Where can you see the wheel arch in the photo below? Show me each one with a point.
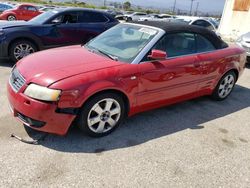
(233, 70)
(30, 39)
(236, 72)
(111, 90)
(11, 14)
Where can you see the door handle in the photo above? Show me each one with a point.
(133, 78)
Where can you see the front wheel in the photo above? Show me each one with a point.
(11, 18)
(101, 114)
(225, 86)
(20, 49)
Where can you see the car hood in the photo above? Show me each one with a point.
(246, 37)
(49, 66)
(8, 24)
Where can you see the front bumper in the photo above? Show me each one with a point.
(38, 115)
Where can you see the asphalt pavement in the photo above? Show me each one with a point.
(198, 143)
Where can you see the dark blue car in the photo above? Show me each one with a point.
(55, 28)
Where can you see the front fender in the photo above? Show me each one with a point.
(75, 98)
(13, 36)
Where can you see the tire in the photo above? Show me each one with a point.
(129, 19)
(225, 86)
(20, 47)
(95, 120)
(11, 18)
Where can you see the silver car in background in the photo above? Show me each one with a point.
(244, 42)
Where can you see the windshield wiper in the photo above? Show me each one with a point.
(101, 52)
(107, 55)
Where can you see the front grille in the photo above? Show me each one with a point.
(16, 80)
(30, 121)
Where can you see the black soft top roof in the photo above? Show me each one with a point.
(169, 27)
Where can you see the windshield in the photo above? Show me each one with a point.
(42, 18)
(123, 42)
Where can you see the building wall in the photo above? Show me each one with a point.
(235, 19)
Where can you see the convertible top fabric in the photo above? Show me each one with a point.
(169, 27)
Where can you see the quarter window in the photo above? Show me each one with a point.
(203, 44)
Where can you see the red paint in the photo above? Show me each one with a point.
(80, 74)
(21, 12)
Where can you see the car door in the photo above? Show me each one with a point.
(173, 78)
(21, 12)
(91, 25)
(210, 60)
(62, 30)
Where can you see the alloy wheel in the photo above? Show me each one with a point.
(226, 86)
(22, 50)
(11, 18)
(104, 115)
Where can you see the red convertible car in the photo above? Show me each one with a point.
(20, 12)
(128, 69)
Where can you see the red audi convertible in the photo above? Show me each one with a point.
(128, 69)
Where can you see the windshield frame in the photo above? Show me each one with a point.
(140, 55)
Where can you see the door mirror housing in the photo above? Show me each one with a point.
(158, 55)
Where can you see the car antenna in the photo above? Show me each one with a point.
(34, 141)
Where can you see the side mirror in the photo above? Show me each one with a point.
(158, 55)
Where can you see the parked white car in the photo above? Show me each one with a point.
(156, 17)
(135, 16)
(203, 22)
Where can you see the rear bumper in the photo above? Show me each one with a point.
(38, 115)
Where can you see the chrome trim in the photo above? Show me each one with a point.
(16, 80)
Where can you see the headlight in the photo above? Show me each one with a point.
(42, 93)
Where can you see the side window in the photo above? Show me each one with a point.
(30, 8)
(66, 18)
(177, 44)
(203, 44)
(23, 7)
(91, 17)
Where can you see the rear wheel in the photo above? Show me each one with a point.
(101, 114)
(11, 18)
(225, 86)
(20, 49)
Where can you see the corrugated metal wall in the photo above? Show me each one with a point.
(241, 5)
